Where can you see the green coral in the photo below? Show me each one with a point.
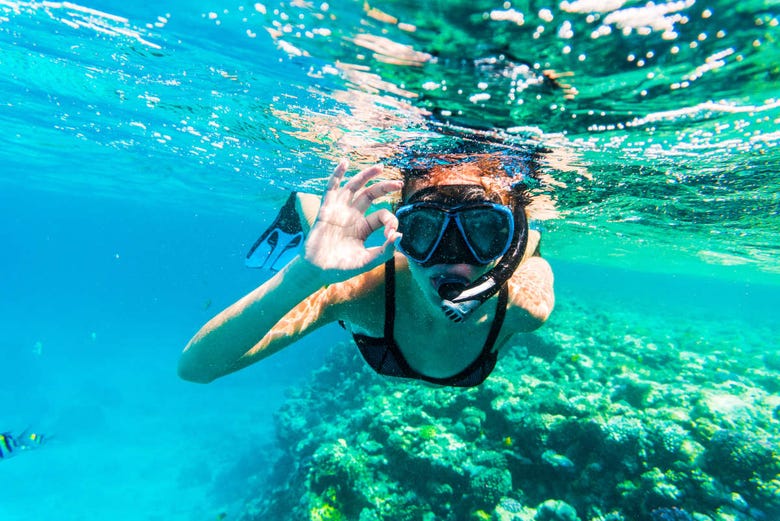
(427, 432)
(374, 449)
(738, 455)
(325, 512)
(481, 515)
(489, 485)
(556, 510)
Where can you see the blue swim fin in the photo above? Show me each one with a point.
(280, 243)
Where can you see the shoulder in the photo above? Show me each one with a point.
(531, 294)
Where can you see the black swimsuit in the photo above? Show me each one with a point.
(384, 356)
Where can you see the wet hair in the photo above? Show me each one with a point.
(452, 194)
(498, 170)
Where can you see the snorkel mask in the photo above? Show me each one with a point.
(442, 229)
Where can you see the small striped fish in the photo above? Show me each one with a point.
(11, 445)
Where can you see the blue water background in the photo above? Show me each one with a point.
(110, 291)
(114, 255)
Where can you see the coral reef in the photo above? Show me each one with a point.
(589, 420)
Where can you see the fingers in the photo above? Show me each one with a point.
(360, 179)
(334, 182)
(355, 187)
(379, 255)
(383, 218)
(366, 197)
(338, 174)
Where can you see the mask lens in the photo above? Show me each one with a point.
(487, 230)
(421, 229)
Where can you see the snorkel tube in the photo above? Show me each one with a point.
(459, 302)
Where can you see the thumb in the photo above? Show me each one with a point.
(380, 254)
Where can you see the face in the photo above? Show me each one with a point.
(446, 236)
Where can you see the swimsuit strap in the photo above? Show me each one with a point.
(390, 300)
(498, 320)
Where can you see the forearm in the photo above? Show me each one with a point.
(216, 349)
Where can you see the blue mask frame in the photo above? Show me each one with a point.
(442, 216)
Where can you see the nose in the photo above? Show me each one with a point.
(453, 249)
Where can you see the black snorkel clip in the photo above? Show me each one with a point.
(459, 302)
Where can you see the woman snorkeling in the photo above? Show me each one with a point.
(458, 274)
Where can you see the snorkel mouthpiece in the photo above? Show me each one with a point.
(462, 301)
(449, 287)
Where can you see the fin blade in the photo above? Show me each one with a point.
(274, 254)
(280, 242)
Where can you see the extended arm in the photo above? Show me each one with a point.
(293, 301)
(219, 345)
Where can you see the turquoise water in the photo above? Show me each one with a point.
(145, 146)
